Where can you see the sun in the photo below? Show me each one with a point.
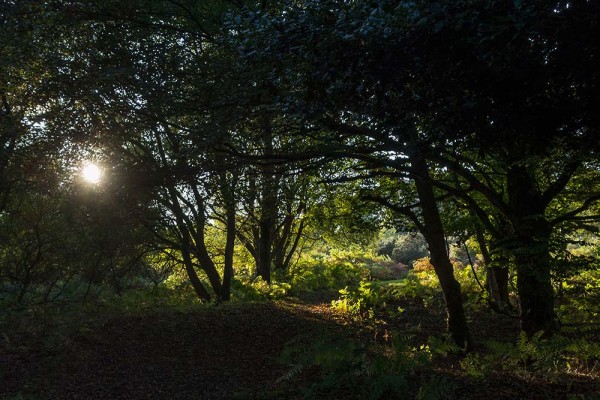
(91, 173)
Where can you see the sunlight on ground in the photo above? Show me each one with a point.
(91, 173)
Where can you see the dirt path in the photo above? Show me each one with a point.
(219, 353)
(230, 351)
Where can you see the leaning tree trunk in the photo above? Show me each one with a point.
(187, 248)
(531, 253)
(433, 232)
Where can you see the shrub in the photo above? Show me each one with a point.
(409, 247)
(390, 272)
(360, 302)
(420, 286)
(338, 269)
(422, 264)
(258, 290)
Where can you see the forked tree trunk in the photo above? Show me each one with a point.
(186, 248)
(433, 232)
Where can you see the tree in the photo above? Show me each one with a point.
(508, 85)
(113, 87)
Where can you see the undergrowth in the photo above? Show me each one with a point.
(351, 369)
(533, 358)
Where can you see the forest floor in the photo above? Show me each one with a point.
(230, 351)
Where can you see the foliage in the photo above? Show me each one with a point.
(334, 270)
(417, 286)
(422, 264)
(360, 302)
(535, 357)
(372, 297)
(354, 370)
(579, 299)
(409, 247)
(259, 290)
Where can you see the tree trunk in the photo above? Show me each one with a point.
(531, 253)
(263, 267)
(434, 235)
(497, 285)
(536, 295)
(268, 211)
(186, 247)
(292, 249)
(191, 272)
(501, 274)
(229, 251)
(496, 274)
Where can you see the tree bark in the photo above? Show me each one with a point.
(496, 274)
(268, 203)
(229, 241)
(531, 253)
(186, 247)
(434, 235)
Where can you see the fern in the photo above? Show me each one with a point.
(291, 373)
(437, 387)
(348, 366)
(530, 357)
(500, 349)
(442, 346)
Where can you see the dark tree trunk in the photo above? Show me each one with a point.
(191, 272)
(268, 212)
(536, 295)
(186, 248)
(496, 275)
(531, 253)
(196, 247)
(263, 267)
(289, 239)
(229, 250)
(433, 232)
(207, 265)
(292, 249)
(497, 284)
(200, 251)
